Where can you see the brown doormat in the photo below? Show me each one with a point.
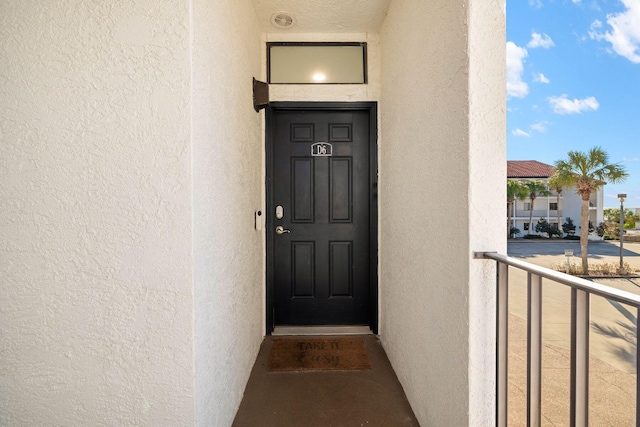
(318, 354)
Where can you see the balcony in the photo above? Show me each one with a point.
(566, 347)
(537, 213)
(566, 355)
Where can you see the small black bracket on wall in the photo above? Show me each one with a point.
(260, 95)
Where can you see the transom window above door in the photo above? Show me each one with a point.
(316, 63)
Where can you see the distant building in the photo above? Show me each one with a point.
(550, 207)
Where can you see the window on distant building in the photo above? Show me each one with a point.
(527, 206)
(553, 206)
(526, 226)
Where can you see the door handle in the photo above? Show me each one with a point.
(281, 230)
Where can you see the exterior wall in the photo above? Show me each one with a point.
(228, 184)
(442, 127)
(128, 208)
(487, 142)
(95, 269)
(598, 213)
(570, 207)
(541, 209)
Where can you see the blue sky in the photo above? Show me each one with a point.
(573, 83)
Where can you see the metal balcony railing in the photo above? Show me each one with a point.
(537, 213)
(581, 291)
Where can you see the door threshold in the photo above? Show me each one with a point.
(321, 330)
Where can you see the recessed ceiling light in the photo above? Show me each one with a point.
(283, 20)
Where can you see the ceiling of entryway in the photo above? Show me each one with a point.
(323, 16)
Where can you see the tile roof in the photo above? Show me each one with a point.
(528, 169)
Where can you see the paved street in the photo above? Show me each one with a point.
(612, 338)
(598, 250)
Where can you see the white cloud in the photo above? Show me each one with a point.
(539, 126)
(540, 40)
(540, 78)
(520, 132)
(624, 35)
(632, 159)
(515, 58)
(563, 105)
(535, 3)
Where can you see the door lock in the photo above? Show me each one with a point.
(281, 230)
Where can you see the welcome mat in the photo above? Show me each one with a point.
(318, 354)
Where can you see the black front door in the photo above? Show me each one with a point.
(321, 199)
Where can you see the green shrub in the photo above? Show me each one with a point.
(544, 227)
(571, 237)
(569, 227)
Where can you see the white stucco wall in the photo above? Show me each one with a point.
(442, 133)
(487, 172)
(571, 205)
(228, 184)
(598, 215)
(95, 234)
(131, 275)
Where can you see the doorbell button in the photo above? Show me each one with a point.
(258, 220)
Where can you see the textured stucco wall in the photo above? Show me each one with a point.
(441, 140)
(95, 246)
(228, 184)
(599, 212)
(487, 191)
(571, 206)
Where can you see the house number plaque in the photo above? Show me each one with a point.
(321, 149)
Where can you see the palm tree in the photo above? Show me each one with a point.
(556, 185)
(588, 172)
(535, 189)
(515, 190)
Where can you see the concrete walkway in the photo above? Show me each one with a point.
(612, 339)
(372, 398)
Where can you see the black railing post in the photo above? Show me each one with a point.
(534, 350)
(502, 344)
(579, 358)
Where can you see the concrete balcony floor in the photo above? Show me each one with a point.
(325, 398)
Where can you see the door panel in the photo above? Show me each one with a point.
(340, 188)
(322, 262)
(302, 181)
